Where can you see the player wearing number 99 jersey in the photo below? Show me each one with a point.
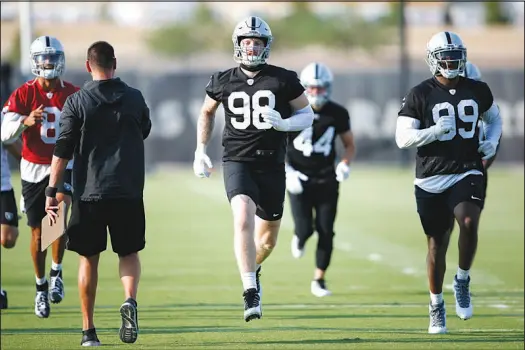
(261, 104)
(440, 117)
(33, 111)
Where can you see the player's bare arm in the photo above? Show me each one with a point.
(64, 148)
(348, 143)
(206, 122)
(202, 164)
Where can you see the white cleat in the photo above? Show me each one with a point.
(318, 288)
(438, 319)
(42, 307)
(56, 289)
(296, 251)
(462, 296)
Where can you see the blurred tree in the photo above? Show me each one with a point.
(392, 18)
(201, 32)
(494, 13)
(13, 57)
(204, 32)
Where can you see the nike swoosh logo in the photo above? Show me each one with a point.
(275, 215)
(476, 198)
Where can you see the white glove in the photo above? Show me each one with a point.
(272, 117)
(202, 164)
(342, 171)
(444, 125)
(293, 181)
(487, 148)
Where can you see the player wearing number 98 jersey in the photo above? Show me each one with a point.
(261, 104)
(439, 117)
(33, 111)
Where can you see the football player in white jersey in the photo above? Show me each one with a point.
(9, 212)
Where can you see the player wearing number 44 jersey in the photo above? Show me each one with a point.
(312, 179)
(439, 117)
(33, 111)
(261, 103)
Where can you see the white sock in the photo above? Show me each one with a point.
(248, 280)
(55, 266)
(40, 281)
(462, 274)
(436, 299)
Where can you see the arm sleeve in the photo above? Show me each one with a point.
(214, 87)
(12, 114)
(293, 86)
(492, 124)
(408, 134)
(301, 119)
(70, 125)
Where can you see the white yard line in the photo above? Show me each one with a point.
(360, 244)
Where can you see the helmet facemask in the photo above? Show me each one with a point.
(447, 62)
(318, 93)
(255, 53)
(48, 65)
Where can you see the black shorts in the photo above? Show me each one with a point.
(8, 208)
(35, 197)
(319, 196)
(436, 210)
(264, 183)
(88, 226)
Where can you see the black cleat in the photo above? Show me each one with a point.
(3, 299)
(252, 306)
(89, 338)
(259, 288)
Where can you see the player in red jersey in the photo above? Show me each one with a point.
(34, 112)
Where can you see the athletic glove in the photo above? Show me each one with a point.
(272, 117)
(487, 148)
(293, 180)
(444, 125)
(342, 171)
(202, 164)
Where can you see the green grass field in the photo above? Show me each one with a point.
(190, 292)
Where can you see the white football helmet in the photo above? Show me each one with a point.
(47, 50)
(446, 55)
(251, 27)
(317, 75)
(472, 71)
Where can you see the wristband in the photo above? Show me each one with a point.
(51, 191)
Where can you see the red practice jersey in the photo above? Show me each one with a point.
(38, 141)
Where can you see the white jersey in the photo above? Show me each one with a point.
(6, 173)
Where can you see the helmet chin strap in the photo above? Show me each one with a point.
(253, 68)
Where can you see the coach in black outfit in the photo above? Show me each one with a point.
(103, 127)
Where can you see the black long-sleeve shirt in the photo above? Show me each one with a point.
(103, 126)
